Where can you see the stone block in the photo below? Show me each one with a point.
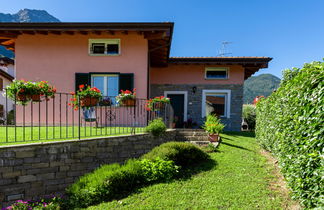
(46, 176)
(26, 178)
(32, 160)
(15, 197)
(11, 174)
(25, 154)
(40, 165)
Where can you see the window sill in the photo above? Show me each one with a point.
(216, 78)
(113, 55)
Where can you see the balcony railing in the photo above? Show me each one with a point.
(55, 119)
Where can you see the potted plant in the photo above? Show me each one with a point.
(213, 127)
(86, 97)
(127, 97)
(157, 103)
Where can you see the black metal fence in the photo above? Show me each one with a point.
(44, 119)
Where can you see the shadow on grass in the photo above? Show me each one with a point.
(239, 147)
(240, 134)
(187, 173)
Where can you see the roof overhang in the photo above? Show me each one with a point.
(6, 75)
(159, 35)
(250, 64)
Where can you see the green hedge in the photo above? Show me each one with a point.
(290, 124)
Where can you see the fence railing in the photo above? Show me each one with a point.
(55, 118)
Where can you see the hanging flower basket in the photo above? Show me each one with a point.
(89, 97)
(35, 97)
(127, 98)
(21, 97)
(129, 102)
(157, 103)
(88, 101)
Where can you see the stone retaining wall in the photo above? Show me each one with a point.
(38, 169)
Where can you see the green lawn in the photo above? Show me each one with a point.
(12, 135)
(239, 179)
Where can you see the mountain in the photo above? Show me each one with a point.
(263, 84)
(28, 15)
(24, 16)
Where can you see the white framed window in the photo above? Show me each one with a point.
(108, 47)
(216, 73)
(216, 102)
(108, 84)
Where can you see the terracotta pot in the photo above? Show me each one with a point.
(88, 101)
(21, 97)
(35, 97)
(213, 137)
(129, 102)
(173, 125)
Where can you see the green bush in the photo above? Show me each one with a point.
(181, 153)
(156, 127)
(249, 115)
(158, 170)
(115, 181)
(290, 124)
(106, 183)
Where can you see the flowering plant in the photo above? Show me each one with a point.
(84, 92)
(154, 104)
(213, 125)
(124, 95)
(22, 91)
(52, 203)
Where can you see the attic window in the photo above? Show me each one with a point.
(104, 46)
(216, 73)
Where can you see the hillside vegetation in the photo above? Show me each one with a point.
(263, 84)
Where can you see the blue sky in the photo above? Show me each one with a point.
(290, 31)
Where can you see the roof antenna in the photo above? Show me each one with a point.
(223, 50)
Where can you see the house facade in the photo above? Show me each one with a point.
(120, 56)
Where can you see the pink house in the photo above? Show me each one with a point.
(114, 56)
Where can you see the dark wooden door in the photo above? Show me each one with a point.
(177, 103)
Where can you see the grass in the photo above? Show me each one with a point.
(239, 178)
(21, 135)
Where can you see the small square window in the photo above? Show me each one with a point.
(108, 47)
(98, 48)
(112, 49)
(216, 73)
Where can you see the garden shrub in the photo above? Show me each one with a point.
(181, 153)
(290, 125)
(115, 181)
(249, 115)
(106, 183)
(158, 170)
(156, 127)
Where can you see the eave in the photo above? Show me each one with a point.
(250, 64)
(158, 34)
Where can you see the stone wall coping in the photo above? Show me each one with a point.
(74, 140)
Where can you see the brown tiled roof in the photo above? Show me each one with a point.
(250, 64)
(159, 35)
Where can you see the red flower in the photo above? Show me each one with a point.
(72, 93)
(81, 87)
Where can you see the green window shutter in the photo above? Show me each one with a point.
(126, 82)
(81, 79)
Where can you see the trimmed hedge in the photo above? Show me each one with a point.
(290, 124)
(181, 153)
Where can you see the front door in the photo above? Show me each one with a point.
(177, 103)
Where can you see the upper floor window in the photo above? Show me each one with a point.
(104, 46)
(216, 73)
